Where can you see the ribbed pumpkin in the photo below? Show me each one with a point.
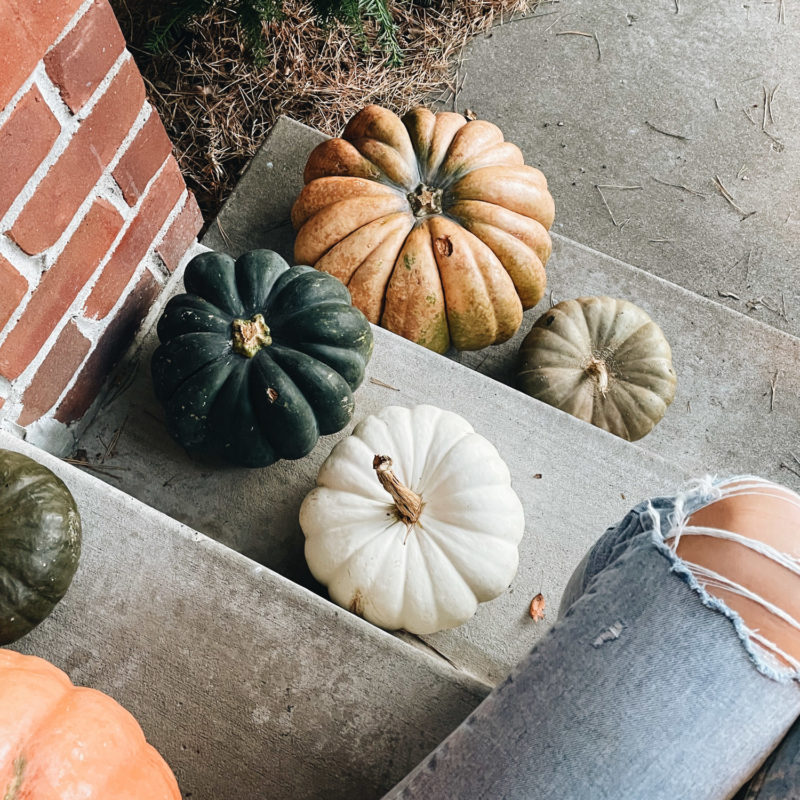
(40, 544)
(62, 742)
(413, 521)
(434, 223)
(602, 360)
(258, 359)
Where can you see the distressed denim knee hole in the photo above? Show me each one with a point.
(710, 559)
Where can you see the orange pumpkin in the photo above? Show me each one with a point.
(434, 223)
(59, 741)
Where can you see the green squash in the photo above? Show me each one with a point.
(602, 360)
(258, 359)
(40, 543)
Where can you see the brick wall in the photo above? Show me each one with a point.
(94, 213)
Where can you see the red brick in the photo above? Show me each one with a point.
(142, 159)
(113, 343)
(27, 29)
(59, 287)
(56, 371)
(82, 58)
(14, 287)
(73, 176)
(181, 234)
(155, 208)
(25, 140)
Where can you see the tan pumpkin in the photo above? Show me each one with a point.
(602, 360)
(433, 222)
(62, 742)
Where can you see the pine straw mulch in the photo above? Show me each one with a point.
(217, 105)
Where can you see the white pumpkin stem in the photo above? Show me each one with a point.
(409, 504)
(599, 371)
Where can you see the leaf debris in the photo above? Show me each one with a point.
(588, 35)
(730, 295)
(378, 382)
(600, 187)
(537, 607)
(773, 385)
(667, 133)
(729, 197)
(680, 186)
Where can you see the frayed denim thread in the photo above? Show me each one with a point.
(685, 504)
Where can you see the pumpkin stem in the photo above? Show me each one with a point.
(408, 504)
(598, 370)
(250, 335)
(425, 200)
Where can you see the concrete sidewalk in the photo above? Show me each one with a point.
(669, 92)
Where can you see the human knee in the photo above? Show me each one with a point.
(743, 547)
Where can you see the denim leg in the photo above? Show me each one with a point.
(642, 691)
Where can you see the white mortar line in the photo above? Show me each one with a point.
(93, 328)
(105, 188)
(82, 9)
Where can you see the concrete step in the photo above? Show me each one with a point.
(588, 480)
(724, 417)
(239, 677)
(580, 109)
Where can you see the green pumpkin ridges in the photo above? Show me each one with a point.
(180, 358)
(328, 323)
(190, 405)
(305, 291)
(256, 275)
(40, 543)
(211, 275)
(326, 392)
(236, 426)
(350, 364)
(281, 409)
(189, 314)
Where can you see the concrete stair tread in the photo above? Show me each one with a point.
(722, 419)
(238, 676)
(256, 511)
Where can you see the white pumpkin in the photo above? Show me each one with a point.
(413, 521)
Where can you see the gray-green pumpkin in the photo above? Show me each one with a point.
(40, 543)
(258, 359)
(602, 360)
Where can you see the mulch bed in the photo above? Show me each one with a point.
(217, 105)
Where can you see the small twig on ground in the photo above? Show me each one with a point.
(773, 384)
(749, 116)
(667, 133)
(677, 7)
(771, 101)
(766, 108)
(223, 234)
(781, 13)
(600, 187)
(556, 21)
(588, 36)
(111, 449)
(729, 197)
(378, 382)
(731, 295)
(716, 103)
(689, 406)
(740, 176)
(680, 186)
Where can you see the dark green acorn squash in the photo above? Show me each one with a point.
(40, 543)
(258, 359)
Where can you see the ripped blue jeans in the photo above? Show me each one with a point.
(647, 688)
